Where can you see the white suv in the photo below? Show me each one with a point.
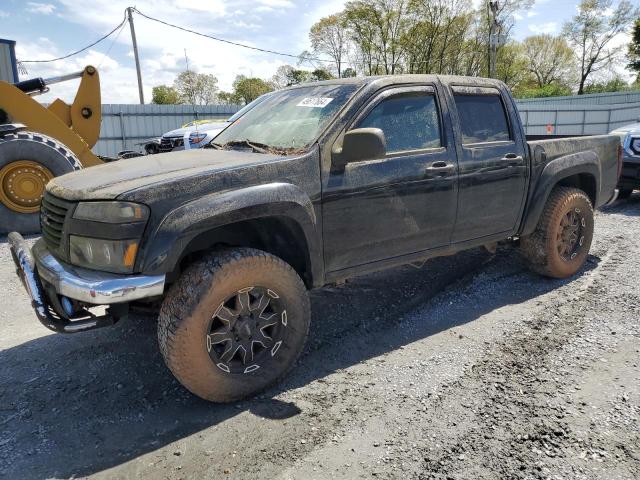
(197, 135)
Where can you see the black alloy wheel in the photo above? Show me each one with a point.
(246, 329)
(571, 234)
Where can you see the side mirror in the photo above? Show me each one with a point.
(358, 145)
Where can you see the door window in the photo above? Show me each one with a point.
(409, 121)
(482, 118)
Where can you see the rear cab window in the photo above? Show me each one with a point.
(482, 117)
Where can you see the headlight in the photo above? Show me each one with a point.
(635, 145)
(196, 138)
(111, 212)
(117, 256)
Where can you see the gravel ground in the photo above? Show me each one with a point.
(466, 367)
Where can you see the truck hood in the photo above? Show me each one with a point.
(633, 128)
(110, 180)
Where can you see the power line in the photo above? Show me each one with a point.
(188, 30)
(237, 44)
(112, 44)
(82, 49)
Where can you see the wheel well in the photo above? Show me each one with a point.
(585, 182)
(279, 236)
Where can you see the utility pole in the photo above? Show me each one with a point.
(494, 28)
(135, 53)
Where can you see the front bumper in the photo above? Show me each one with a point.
(50, 284)
(630, 175)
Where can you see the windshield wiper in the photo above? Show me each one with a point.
(255, 146)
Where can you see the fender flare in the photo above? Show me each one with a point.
(167, 243)
(554, 172)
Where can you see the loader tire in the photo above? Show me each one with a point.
(28, 160)
(234, 324)
(560, 243)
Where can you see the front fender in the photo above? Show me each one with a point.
(553, 173)
(166, 244)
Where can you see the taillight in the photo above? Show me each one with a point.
(620, 157)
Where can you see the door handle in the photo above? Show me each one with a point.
(441, 168)
(511, 157)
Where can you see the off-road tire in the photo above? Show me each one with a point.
(625, 193)
(188, 309)
(540, 249)
(39, 148)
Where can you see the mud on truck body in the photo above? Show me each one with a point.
(316, 184)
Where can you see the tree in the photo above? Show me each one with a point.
(377, 27)
(503, 21)
(429, 35)
(551, 90)
(591, 32)
(616, 84)
(329, 37)
(550, 59)
(165, 95)
(249, 88)
(348, 73)
(282, 77)
(196, 88)
(320, 74)
(511, 64)
(634, 50)
(229, 98)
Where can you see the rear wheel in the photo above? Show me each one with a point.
(27, 162)
(560, 243)
(234, 324)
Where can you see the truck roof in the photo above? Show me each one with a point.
(384, 80)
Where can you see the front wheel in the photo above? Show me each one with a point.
(234, 324)
(560, 243)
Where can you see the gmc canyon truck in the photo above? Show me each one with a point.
(316, 184)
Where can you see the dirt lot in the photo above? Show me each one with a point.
(467, 367)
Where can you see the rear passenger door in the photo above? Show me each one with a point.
(492, 165)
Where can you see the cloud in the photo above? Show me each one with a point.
(3, 14)
(41, 8)
(216, 7)
(162, 48)
(276, 3)
(529, 14)
(547, 27)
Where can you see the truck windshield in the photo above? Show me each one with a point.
(286, 121)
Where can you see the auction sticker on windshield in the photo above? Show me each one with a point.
(315, 102)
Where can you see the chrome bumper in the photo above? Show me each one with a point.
(48, 282)
(89, 286)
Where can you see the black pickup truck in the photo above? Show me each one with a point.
(316, 184)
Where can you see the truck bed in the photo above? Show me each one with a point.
(606, 150)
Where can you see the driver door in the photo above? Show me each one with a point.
(378, 209)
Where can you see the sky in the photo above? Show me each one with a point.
(51, 28)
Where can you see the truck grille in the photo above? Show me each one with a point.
(53, 212)
(169, 143)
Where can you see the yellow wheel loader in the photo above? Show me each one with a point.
(38, 143)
